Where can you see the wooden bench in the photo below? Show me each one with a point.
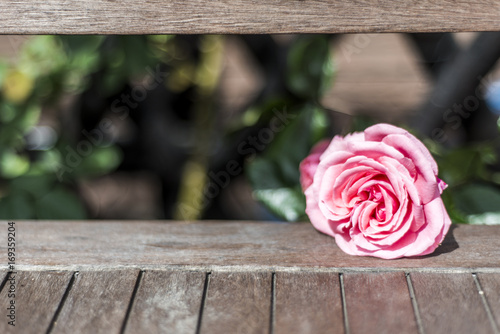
(243, 277)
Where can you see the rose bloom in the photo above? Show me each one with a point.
(376, 192)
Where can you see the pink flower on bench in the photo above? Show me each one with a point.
(377, 192)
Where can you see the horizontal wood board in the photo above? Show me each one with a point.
(217, 245)
(245, 16)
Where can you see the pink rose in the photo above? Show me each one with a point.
(377, 193)
(308, 165)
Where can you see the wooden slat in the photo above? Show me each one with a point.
(450, 303)
(2, 275)
(245, 16)
(97, 302)
(379, 303)
(211, 245)
(37, 297)
(167, 302)
(237, 303)
(308, 303)
(490, 284)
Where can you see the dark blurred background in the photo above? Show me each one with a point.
(181, 127)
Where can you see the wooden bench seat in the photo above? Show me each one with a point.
(245, 277)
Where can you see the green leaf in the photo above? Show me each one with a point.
(60, 204)
(42, 55)
(261, 113)
(48, 162)
(488, 218)
(17, 206)
(288, 146)
(81, 44)
(319, 125)
(27, 118)
(310, 66)
(361, 122)
(474, 199)
(284, 202)
(8, 112)
(275, 175)
(136, 49)
(13, 165)
(35, 185)
(456, 215)
(281, 197)
(466, 164)
(101, 161)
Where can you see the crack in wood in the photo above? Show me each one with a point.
(63, 300)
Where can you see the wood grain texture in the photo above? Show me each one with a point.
(216, 245)
(167, 302)
(450, 303)
(379, 303)
(308, 303)
(237, 303)
(245, 16)
(37, 297)
(490, 284)
(97, 302)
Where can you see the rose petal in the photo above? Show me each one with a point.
(309, 165)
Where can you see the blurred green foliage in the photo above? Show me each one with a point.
(39, 181)
(473, 193)
(274, 174)
(310, 67)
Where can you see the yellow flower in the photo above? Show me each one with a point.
(17, 86)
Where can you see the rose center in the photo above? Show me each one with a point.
(374, 194)
(380, 213)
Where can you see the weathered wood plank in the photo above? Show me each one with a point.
(490, 284)
(237, 303)
(97, 302)
(245, 16)
(449, 303)
(308, 303)
(379, 303)
(2, 275)
(37, 296)
(167, 302)
(212, 245)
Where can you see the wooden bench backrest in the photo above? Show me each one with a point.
(246, 16)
